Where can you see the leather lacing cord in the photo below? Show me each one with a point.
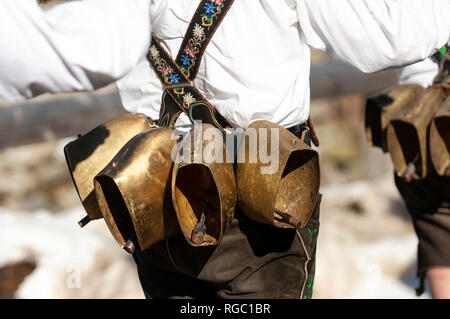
(305, 265)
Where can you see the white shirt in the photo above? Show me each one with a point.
(256, 66)
(423, 72)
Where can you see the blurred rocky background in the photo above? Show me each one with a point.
(366, 248)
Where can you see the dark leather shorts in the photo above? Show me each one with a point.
(428, 201)
(253, 260)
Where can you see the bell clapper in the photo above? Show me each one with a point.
(199, 231)
(129, 245)
(411, 169)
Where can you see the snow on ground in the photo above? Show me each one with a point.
(365, 249)
(71, 262)
(370, 252)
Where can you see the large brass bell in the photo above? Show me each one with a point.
(133, 190)
(440, 138)
(203, 186)
(90, 153)
(381, 108)
(407, 134)
(286, 196)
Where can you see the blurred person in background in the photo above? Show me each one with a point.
(428, 200)
(256, 68)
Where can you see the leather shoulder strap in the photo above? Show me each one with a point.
(207, 18)
(180, 94)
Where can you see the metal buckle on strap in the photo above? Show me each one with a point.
(178, 85)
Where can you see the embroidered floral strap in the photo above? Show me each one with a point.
(176, 75)
(180, 89)
(204, 24)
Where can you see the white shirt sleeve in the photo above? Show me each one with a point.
(373, 35)
(422, 73)
(79, 45)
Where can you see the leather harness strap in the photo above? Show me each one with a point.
(180, 94)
